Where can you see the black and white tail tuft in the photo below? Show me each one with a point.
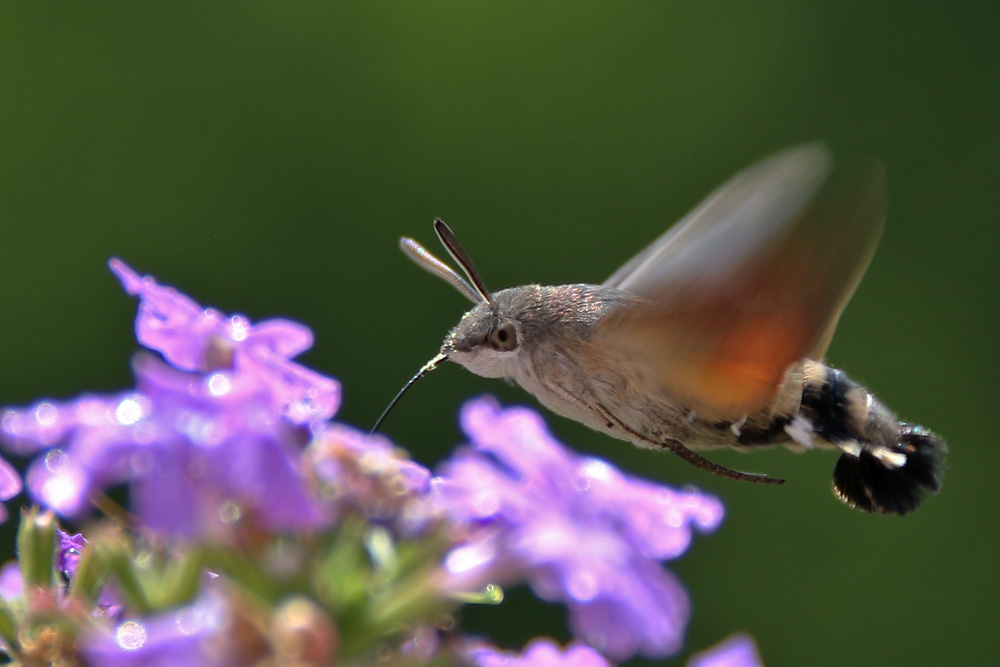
(891, 480)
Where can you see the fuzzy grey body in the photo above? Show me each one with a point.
(886, 465)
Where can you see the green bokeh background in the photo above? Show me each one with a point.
(265, 158)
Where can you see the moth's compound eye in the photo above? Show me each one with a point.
(504, 337)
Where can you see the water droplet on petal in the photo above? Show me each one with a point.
(131, 635)
(493, 594)
(190, 621)
(46, 414)
(219, 384)
(239, 328)
(230, 512)
(129, 411)
(56, 461)
(12, 422)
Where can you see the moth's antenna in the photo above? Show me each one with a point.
(427, 368)
(429, 262)
(454, 249)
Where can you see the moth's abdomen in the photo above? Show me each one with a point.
(887, 466)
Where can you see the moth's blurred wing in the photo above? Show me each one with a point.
(746, 212)
(750, 282)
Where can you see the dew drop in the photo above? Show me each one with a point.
(45, 414)
(239, 328)
(493, 594)
(129, 411)
(230, 512)
(190, 621)
(56, 461)
(219, 384)
(12, 422)
(131, 635)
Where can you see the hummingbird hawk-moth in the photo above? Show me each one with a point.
(714, 335)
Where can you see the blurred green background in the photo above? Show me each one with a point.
(265, 158)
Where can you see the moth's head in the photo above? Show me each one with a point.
(488, 337)
(486, 341)
(461, 341)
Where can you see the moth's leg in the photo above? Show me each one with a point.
(693, 458)
(697, 460)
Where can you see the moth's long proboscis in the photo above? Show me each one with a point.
(427, 368)
(432, 264)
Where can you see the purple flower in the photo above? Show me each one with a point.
(211, 441)
(540, 652)
(180, 637)
(575, 528)
(735, 651)
(69, 552)
(193, 338)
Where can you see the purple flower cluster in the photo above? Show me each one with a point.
(201, 440)
(576, 529)
(193, 338)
